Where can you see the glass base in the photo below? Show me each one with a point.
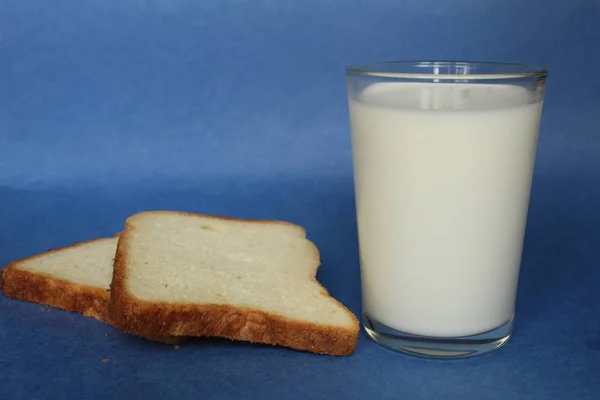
(438, 347)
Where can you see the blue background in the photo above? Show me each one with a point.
(239, 108)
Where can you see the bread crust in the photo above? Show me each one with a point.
(38, 288)
(133, 315)
(35, 287)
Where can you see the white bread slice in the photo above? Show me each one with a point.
(74, 278)
(197, 275)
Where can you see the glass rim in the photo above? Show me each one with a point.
(509, 70)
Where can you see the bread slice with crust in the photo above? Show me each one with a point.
(196, 275)
(74, 278)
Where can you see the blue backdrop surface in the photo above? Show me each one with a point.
(239, 108)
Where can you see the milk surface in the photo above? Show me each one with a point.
(442, 175)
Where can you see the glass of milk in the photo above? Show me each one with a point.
(443, 157)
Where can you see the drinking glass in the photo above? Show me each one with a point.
(443, 156)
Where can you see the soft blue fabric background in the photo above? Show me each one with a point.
(239, 108)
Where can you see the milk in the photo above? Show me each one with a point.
(442, 175)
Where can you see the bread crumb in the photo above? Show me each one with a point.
(42, 309)
(176, 347)
(105, 360)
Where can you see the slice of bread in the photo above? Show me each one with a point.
(74, 278)
(196, 275)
